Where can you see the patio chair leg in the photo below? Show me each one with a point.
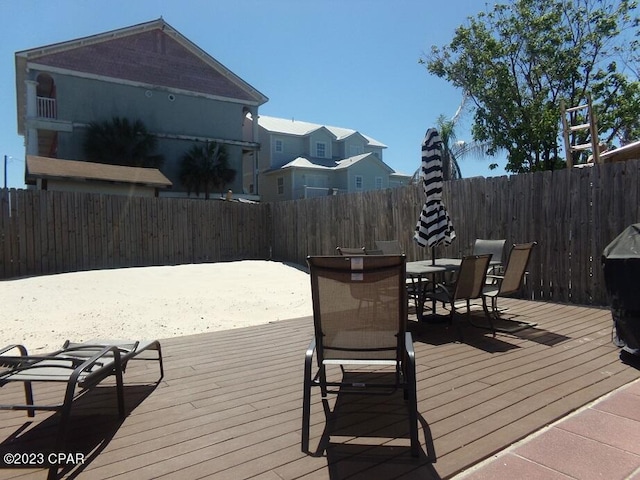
(410, 380)
(52, 474)
(65, 414)
(306, 398)
(120, 392)
(488, 315)
(306, 414)
(28, 393)
(158, 348)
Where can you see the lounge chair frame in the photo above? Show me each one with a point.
(82, 366)
(381, 279)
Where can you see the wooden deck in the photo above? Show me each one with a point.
(229, 406)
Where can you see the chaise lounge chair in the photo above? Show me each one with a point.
(81, 366)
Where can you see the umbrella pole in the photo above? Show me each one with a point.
(433, 255)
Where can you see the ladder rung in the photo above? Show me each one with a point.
(583, 126)
(573, 109)
(583, 146)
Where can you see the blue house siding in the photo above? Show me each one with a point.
(87, 100)
(347, 155)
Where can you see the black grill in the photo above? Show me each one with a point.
(621, 263)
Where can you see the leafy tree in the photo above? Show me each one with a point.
(517, 61)
(204, 168)
(120, 141)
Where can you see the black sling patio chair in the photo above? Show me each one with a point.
(81, 366)
(496, 249)
(353, 337)
(509, 283)
(389, 247)
(470, 280)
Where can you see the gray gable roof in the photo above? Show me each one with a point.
(298, 128)
(334, 165)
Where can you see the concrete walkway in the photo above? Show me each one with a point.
(599, 441)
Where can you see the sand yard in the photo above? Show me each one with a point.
(149, 302)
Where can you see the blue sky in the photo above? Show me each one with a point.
(345, 63)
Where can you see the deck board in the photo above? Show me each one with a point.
(230, 403)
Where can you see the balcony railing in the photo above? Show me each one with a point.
(47, 107)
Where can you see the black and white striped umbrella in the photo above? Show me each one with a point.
(434, 225)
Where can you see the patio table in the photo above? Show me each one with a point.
(419, 271)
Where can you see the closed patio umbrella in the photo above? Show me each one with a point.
(434, 225)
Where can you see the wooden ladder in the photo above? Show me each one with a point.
(569, 128)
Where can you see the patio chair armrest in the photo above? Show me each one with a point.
(125, 348)
(408, 345)
(103, 371)
(21, 348)
(310, 349)
(22, 362)
(308, 361)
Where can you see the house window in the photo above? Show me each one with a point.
(321, 149)
(356, 150)
(278, 146)
(378, 183)
(280, 185)
(358, 179)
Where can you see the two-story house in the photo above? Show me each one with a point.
(148, 72)
(302, 160)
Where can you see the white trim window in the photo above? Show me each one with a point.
(278, 145)
(280, 184)
(355, 150)
(378, 183)
(358, 182)
(321, 149)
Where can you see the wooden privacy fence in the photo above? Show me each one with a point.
(572, 214)
(50, 232)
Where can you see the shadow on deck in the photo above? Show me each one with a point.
(230, 403)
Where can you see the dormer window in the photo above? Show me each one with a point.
(321, 149)
(355, 150)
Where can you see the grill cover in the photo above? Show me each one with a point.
(621, 264)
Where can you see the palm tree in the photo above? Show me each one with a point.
(120, 141)
(204, 168)
(450, 167)
(452, 149)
